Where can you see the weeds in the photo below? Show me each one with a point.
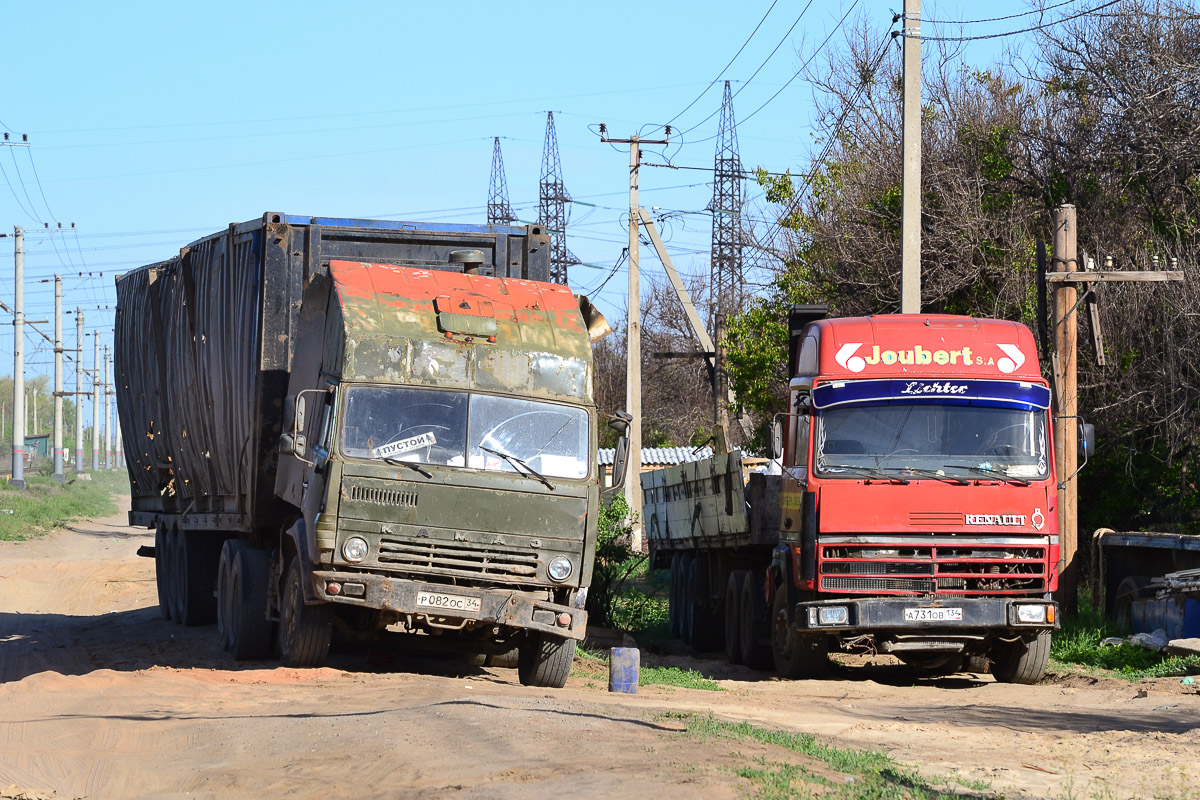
(46, 504)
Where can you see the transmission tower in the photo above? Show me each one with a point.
(726, 208)
(552, 206)
(499, 212)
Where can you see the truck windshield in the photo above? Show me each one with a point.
(948, 440)
(458, 429)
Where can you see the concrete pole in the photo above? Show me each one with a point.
(1066, 421)
(910, 213)
(108, 448)
(18, 438)
(79, 395)
(58, 473)
(633, 373)
(96, 404)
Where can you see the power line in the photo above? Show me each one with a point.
(1043, 26)
(998, 19)
(722, 71)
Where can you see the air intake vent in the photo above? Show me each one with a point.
(934, 519)
(383, 497)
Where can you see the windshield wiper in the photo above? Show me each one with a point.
(937, 476)
(995, 473)
(411, 465)
(517, 464)
(865, 472)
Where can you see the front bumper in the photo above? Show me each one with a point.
(886, 615)
(506, 607)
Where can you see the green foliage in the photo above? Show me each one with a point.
(46, 504)
(1080, 642)
(622, 594)
(674, 676)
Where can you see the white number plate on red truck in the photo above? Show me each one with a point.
(448, 602)
(933, 615)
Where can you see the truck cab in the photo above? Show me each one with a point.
(919, 497)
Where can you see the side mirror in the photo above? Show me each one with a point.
(620, 462)
(293, 444)
(1087, 440)
(620, 422)
(777, 439)
(299, 417)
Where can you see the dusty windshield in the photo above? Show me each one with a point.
(461, 429)
(973, 432)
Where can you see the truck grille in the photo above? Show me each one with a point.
(460, 560)
(932, 567)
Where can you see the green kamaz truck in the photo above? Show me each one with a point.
(364, 429)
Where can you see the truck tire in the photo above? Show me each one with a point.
(160, 571)
(796, 656)
(733, 616)
(171, 567)
(755, 654)
(198, 558)
(673, 594)
(224, 609)
(707, 630)
(545, 661)
(1022, 662)
(250, 631)
(305, 631)
(1130, 588)
(687, 574)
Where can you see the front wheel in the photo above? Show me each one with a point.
(796, 656)
(545, 660)
(305, 631)
(1023, 661)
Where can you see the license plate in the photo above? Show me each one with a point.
(448, 602)
(933, 615)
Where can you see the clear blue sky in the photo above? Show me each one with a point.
(152, 123)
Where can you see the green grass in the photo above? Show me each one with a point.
(1079, 642)
(653, 676)
(46, 504)
(865, 774)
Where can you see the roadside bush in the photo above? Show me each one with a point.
(621, 595)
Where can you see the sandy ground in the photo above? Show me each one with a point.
(101, 698)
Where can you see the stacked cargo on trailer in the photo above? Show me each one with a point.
(916, 512)
(363, 426)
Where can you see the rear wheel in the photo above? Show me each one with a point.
(161, 572)
(733, 616)
(1023, 661)
(755, 654)
(673, 594)
(172, 567)
(229, 550)
(305, 631)
(250, 630)
(796, 656)
(198, 557)
(1130, 588)
(686, 598)
(545, 660)
(706, 628)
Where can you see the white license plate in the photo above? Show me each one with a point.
(933, 615)
(448, 602)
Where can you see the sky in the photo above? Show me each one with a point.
(152, 124)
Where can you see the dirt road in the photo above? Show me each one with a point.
(101, 698)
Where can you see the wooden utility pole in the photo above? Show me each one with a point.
(910, 210)
(1066, 418)
(633, 335)
(1064, 365)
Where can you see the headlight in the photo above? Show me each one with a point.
(354, 549)
(1031, 614)
(559, 568)
(827, 615)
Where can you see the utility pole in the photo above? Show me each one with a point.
(58, 473)
(79, 395)
(18, 439)
(910, 213)
(96, 403)
(1064, 365)
(633, 336)
(108, 450)
(1066, 423)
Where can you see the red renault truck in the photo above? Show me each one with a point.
(916, 513)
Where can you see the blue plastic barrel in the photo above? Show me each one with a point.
(624, 664)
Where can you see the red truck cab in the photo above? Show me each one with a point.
(918, 503)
